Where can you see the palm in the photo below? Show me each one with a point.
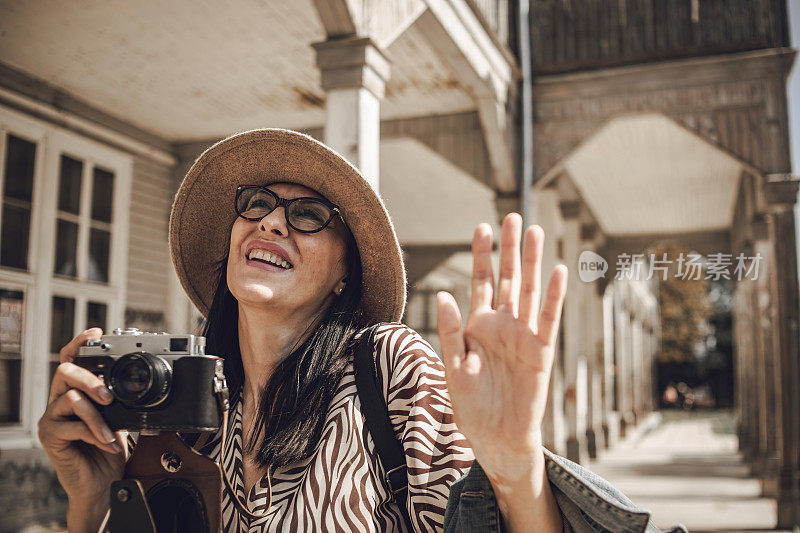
(498, 367)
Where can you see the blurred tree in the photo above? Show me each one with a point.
(684, 308)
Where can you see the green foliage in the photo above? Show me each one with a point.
(684, 308)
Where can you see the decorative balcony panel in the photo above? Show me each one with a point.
(572, 35)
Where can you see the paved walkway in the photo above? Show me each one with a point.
(684, 468)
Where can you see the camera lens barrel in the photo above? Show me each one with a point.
(140, 379)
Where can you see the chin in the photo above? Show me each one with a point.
(253, 294)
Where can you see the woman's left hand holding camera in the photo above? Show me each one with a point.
(498, 370)
(86, 455)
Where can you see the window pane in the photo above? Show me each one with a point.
(99, 241)
(11, 313)
(61, 330)
(96, 316)
(14, 238)
(10, 377)
(20, 158)
(66, 248)
(69, 189)
(102, 194)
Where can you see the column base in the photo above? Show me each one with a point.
(611, 429)
(769, 473)
(594, 441)
(576, 451)
(626, 423)
(788, 512)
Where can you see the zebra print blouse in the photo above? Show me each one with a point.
(341, 487)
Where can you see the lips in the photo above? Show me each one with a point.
(263, 253)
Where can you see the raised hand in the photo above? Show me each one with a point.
(498, 367)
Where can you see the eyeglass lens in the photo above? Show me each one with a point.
(303, 214)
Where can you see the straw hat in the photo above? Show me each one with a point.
(203, 213)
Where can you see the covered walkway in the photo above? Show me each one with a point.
(684, 467)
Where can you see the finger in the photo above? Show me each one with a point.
(553, 302)
(508, 282)
(70, 351)
(531, 282)
(74, 430)
(482, 275)
(451, 338)
(73, 402)
(70, 376)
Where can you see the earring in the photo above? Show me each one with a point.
(339, 291)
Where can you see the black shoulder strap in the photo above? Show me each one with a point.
(376, 414)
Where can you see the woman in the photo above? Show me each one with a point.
(288, 252)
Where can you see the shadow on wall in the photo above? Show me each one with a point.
(29, 492)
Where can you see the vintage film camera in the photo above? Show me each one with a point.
(160, 382)
(166, 388)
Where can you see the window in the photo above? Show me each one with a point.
(63, 235)
(20, 156)
(84, 214)
(12, 305)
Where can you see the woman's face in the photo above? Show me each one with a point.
(314, 267)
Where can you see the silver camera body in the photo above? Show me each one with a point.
(129, 340)
(160, 381)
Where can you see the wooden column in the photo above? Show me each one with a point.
(623, 358)
(575, 400)
(354, 74)
(593, 347)
(637, 362)
(610, 413)
(781, 194)
(546, 213)
(768, 465)
(595, 436)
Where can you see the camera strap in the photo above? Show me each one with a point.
(376, 418)
(223, 398)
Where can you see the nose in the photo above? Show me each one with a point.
(275, 223)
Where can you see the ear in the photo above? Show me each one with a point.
(337, 290)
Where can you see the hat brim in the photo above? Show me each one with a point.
(203, 213)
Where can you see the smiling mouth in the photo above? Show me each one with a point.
(266, 257)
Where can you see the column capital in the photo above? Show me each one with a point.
(352, 63)
(780, 191)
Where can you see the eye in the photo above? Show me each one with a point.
(255, 203)
(310, 214)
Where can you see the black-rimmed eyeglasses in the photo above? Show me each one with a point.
(304, 214)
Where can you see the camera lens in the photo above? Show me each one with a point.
(140, 379)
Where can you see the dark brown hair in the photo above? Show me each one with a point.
(294, 402)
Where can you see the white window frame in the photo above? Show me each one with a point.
(39, 284)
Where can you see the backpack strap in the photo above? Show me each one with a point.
(376, 415)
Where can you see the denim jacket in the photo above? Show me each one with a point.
(588, 503)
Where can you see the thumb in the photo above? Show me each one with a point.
(451, 337)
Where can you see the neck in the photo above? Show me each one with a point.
(266, 337)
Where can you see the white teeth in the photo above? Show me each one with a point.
(268, 257)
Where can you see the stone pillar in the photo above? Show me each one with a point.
(575, 398)
(781, 195)
(547, 215)
(353, 75)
